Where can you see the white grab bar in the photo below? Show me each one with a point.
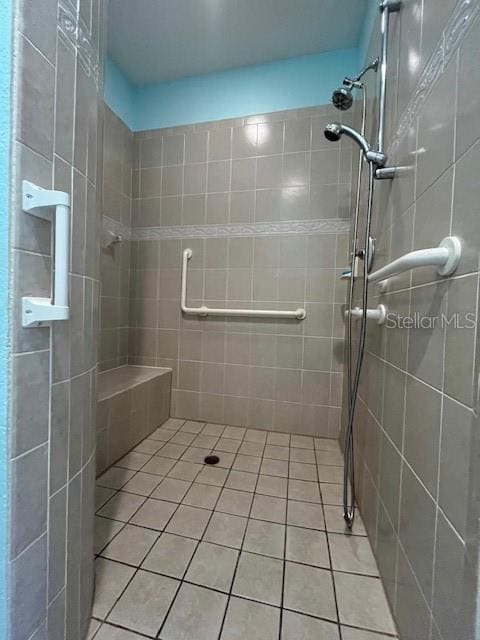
(446, 257)
(204, 311)
(379, 314)
(39, 202)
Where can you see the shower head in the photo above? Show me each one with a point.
(334, 131)
(342, 98)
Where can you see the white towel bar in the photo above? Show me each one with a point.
(39, 202)
(446, 257)
(204, 311)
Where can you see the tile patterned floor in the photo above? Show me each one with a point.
(254, 547)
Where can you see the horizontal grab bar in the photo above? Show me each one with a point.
(298, 314)
(446, 257)
(379, 314)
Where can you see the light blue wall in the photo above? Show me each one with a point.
(369, 22)
(119, 93)
(287, 84)
(5, 78)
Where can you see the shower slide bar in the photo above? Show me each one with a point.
(53, 206)
(298, 314)
(446, 257)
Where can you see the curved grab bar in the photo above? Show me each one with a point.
(298, 314)
(446, 257)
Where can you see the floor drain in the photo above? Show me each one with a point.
(212, 460)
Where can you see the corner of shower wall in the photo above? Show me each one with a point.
(58, 61)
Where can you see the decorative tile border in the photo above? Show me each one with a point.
(324, 226)
(74, 27)
(457, 26)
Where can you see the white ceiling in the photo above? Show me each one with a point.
(157, 40)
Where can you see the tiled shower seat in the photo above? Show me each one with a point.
(131, 403)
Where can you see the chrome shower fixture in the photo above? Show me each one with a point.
(334, 131)
(342, 98)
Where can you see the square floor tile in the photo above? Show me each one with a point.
(362, 603)
(171, 450)
(250, 620)
(226, 529)
(330, 458)
(162, 435)
(142, 484)
(191, 426)
(352, 554)
(170, 555)
(212, 429)
(302, 442)
(309, 590)
(102, 494)
(195, 454)
(173, 423)
(335, 522)
(247, 463)
(189, 521)
(241, 480)
(111, 578)
(328, 473)
(332, 493)
(265, 538)
(182, 437)
(228, 445)
(326, 444)
(105, 530)
(205, 442)
(115, 477)
(213, 566)
(279, 439)
(302, 455)
(133, 460)
(295, 626)
(93, 627)
(307, 546)
(226, 459)
(269, 508)
(251, 449)
(259, 578)
(171, 489)
(255, 435)
(131, 545)
(185, 470)
(303, 490)
(212, 475)
(275, 452)
(154, 514)
(144, 603)
(159, 466)
(235, 502)
(301, 471)
(272, 486)
(274, 468)
(202, 495)
(236, 433)
(122, 506)
(109, 632)
(305, 514)
(196, 614)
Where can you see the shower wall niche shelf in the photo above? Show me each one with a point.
(203, 311)
(53, 206)
(446, 257)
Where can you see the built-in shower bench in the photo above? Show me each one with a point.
(131, 403)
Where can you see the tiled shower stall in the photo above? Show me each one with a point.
(265, 204)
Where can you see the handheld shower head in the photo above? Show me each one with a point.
(334, 131)
(342, 98)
